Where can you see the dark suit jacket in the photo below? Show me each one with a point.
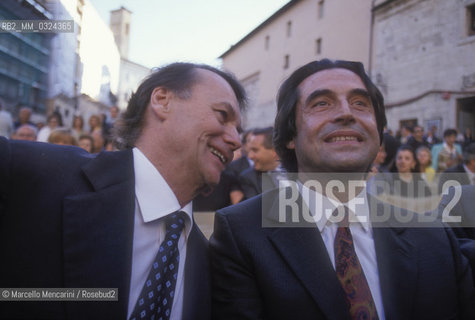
(285, 272)
(66, 221)
(239, 165)
(463, 207)
(254, 182)
(456, 173)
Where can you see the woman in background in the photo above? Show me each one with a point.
(408, 181)
(96, 133)
(78, 127)
(425, 165)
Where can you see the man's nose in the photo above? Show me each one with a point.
(231, 137)
(344, 112)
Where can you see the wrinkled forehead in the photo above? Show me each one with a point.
(335, 79)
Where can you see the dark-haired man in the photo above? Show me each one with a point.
(301, 262)
(417, 139)
(265, 161)
(447, 154)
(122, 219)
(463, 173)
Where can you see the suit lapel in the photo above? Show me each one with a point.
(304, 251)
(197, 293)
(98, 234)
(397, 265)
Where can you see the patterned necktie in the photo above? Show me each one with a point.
(156, 299)
(351, 276)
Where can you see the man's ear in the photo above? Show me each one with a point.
(160, 102)
(290, 144)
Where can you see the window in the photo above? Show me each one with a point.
(286, 61)
(267, 42)
(471, 19)
(318, 46)
(289, 28)
(126, 29)
(321, 5)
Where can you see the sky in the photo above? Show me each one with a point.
(164, 31)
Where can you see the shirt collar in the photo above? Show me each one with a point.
(328, 205)
(154, 196)
(449, 149)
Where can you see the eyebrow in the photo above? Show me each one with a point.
(360, 92)
(317, 93)
(230, 109)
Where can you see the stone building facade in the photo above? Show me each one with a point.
(423, 62)
(299, 32)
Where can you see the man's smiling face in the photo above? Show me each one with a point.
(336, 124)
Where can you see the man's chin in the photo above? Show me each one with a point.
(212, 180)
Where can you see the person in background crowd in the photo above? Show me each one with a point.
(62, 137)
(25, 132)
(240, 164)
(431, 136)
(54, 121)
(408, 182)
(424, 158)
(40, 125)
(114, 114)
(77, 129)
(460, 137)
(406, 133)
(108, 125)
(122, 219)
(297, 262)
(417, 139)
(95, 125)
(86, 142)
(377, 166)
(6, 122)
(467, 138)
(391, 145)
(448, 154)
(24, 116)
(463, 173)
(462, 208)
(261, 176)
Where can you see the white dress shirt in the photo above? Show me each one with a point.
(471, 175)
(154, 199)
(321, 207)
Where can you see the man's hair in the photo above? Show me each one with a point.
(62, 135)
(408, 128)
(285, 129)
(178, 77)
(28, 126)
(267, 133)
(450, 132)
(245, 134)
(469, 153)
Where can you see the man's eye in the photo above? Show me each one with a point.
(320, 103)
(361, 103)
(222, 114)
